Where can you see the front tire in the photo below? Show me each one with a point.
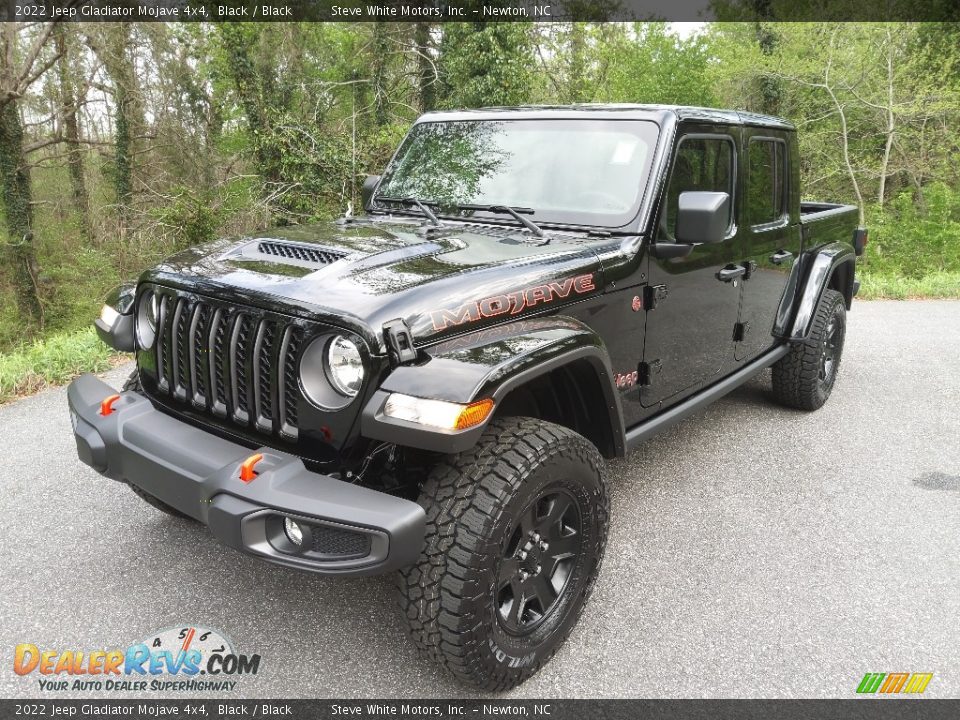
(516, 529)
(805, 376)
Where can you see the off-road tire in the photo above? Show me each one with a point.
(133, 385)
(477, 504)
(802, 379)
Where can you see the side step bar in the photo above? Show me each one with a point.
(659, 423)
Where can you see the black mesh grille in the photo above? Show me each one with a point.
(218, 346)
(263, 374)
(199, 351)
(291, 395)
(180, 343)
(304, 253)
(238, 364)
(240, 351)
(333, 541)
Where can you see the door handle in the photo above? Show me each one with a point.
(731, 272)
(780, 255)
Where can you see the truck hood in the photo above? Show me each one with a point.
(361, 274)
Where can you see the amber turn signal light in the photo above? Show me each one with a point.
(474, 414)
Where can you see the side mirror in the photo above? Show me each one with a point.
(366, 192)
(703, 217)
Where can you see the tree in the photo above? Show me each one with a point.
(426, 67)
(646, 63)
(18, 71)
(487, 64)
(238, 41)
(112, 43)
(71, 128)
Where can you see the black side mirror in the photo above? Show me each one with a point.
(703, 217)
(366, 192)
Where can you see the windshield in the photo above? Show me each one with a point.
(578, 172)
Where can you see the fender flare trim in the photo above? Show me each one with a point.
(461, 382)
(823, 265)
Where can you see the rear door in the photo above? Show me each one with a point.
(770, 240)
(688, 332)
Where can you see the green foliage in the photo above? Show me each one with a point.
(648, 64)
(486, 64)
(224, 129)
(314, 169)
(933, 285)
(192, 216)
(913, 237)
(52, 361)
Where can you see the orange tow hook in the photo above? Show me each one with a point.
(106, 407)
(247, 473)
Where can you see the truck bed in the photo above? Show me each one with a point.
(811, 211)
(827, 222)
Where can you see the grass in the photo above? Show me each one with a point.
(52, 361)
(890, 286)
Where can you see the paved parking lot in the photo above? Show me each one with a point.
(754, 551)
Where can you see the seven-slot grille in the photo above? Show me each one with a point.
(235, 363)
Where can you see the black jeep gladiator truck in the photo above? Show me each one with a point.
(432, 387)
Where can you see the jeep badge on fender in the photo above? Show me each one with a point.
(431, 388)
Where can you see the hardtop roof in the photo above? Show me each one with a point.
(622, 111)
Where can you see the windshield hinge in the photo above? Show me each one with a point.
(653, 295)
(399, 342)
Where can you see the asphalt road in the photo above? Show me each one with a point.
(754, 551)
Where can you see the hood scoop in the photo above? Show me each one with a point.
(306, 255)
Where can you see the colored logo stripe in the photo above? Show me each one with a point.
(918, 682)
(871, 682)
(891, 683)
(894, 682)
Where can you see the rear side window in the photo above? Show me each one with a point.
(767, 181)
(702, 163)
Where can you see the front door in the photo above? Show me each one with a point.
(689, 333)
(770, 242)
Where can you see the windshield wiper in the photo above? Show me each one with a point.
(507, 210)
(413, 201)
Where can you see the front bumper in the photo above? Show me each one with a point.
(353, 530)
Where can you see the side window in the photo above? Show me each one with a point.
(701, 163)
(767, 181)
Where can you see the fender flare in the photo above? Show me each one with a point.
(828, 260)
(489, 363)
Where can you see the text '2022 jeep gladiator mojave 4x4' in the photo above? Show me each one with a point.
(431, 388)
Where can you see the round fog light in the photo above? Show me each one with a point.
(293, 530)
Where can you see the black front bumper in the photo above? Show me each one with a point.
(354, 530)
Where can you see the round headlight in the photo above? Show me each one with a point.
(147, 313)
(331, 371)
(344, 366)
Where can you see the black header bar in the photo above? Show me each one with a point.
(453, 709)
(439, 11)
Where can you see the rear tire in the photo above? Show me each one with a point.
(516, 529)
(805, 376)
(133, 385)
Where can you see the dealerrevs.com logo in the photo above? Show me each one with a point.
(894, 683)
(182, 659)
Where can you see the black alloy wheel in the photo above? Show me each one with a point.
(542, 551)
